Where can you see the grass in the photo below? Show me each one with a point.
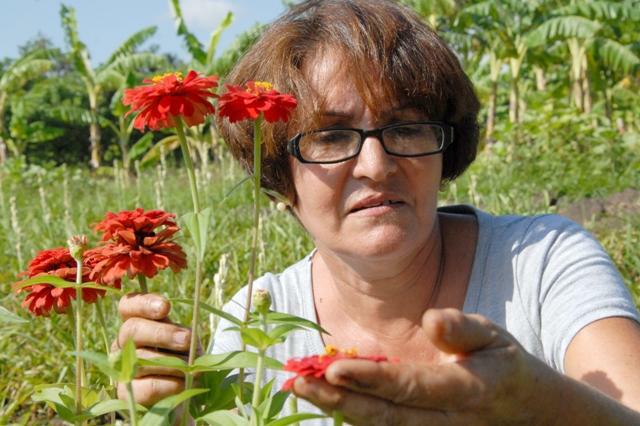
(39, 208)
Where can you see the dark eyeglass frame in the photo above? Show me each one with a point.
(293, 145)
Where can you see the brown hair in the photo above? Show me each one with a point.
(388, 52)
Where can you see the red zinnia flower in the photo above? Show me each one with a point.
(169, 96)
(44, 297)
(257, 97)
(316, 365)
(135, 246)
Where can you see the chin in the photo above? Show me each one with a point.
(383, 242)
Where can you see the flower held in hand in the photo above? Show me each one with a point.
(316, 365)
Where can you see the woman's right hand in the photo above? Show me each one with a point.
(145, 321)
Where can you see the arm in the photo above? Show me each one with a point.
(492, 381)
(605, 355)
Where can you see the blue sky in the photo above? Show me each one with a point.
(104, 24)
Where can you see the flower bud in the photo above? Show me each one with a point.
(261, 301)
(77, 245)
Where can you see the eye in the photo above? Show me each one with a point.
(332, 137)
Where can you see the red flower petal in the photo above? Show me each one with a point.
(42, 298)
(239, 103)
(316, 365)
(165, 98)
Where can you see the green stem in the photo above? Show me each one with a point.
(338, 418)
(105, 341)
(103, 326)
(255, 400)
(257, 173)
(78, 336)
(132, 405)
(293, 407)
(189, 164)
(193, 346)
(142, 280)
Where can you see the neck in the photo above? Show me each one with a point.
(384, 298)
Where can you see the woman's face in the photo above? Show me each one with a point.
(376, 205)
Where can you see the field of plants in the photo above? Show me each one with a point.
(560, 85)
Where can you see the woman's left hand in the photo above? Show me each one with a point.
(491, 380)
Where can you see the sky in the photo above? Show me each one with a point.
(104, 24)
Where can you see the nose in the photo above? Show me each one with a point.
(373, 162)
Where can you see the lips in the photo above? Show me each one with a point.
(376, 200)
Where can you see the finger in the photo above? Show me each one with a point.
(151, 389)
(454, 332)
(149, 370)
(362, 409)
(149, 305)
(155, 334)
(444, 386)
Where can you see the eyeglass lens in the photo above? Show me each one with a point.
(409, 139)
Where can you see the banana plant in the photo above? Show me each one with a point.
(591, 34)
(435, 12)
(112, 75)
(12, 81)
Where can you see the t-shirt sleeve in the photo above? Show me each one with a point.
(579, 284)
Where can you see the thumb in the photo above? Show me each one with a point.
(454, 332)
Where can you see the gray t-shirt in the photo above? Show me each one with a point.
(541, 278)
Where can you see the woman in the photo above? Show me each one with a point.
(495, 319)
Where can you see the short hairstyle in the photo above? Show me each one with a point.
(388, 52)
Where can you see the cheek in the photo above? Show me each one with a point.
(318, 190)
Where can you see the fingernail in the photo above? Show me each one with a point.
(158, 307)
(180, 338)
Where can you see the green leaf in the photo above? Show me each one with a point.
(223, 418)
(134, 41)
(256, 338)
(280, 332)
(8, 317)
(232, 360)
(108, 406)
(282, 318)
(197, 224)
(215, 37)
(141, 146)
(159, 413)
(295, 418)
(42, 279)
(128, 362)
(165, 361)
(213, 310)
(101, 361)
(193, 44)
(165, 145)
(277, 402)
(60, 283)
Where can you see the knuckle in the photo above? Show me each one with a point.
(130, 328)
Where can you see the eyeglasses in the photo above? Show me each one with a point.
(415, 139)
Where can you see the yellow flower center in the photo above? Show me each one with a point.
(263, 85)
(331, 350)
(351, 353)
(158, 78)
